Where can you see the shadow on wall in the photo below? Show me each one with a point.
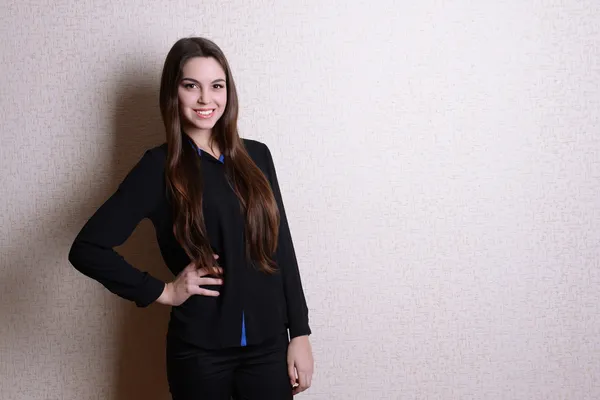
(139, 369)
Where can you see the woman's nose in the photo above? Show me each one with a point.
(202, 97)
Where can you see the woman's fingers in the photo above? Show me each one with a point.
(191, 267)
(190, 281)
(303, 383)
(203, 271)
(209, 281)
(194, 285)
(292, 375)
(206, 292)
(197, 289)
(193, 279)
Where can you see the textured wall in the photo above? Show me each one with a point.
(440, 163)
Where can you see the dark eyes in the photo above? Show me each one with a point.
(194, 86)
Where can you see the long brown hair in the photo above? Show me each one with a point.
(184, 183)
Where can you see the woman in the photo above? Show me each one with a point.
(239, 320)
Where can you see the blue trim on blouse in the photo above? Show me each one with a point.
(243, 329)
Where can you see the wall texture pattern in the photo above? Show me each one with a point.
(440, 164)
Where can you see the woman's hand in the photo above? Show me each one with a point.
(300, 363)
(186, 284)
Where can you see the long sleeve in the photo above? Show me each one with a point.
(297, 309)
(92, 251)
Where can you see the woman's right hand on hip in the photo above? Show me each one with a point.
(187, 284)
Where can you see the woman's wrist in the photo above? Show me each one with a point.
(165, 296)
(300, 338)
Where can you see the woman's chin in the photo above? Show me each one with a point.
(204, 125)
(199, 125)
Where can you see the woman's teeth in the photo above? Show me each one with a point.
(204, 114)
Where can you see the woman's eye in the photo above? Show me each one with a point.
(218, 86)
(189, 85)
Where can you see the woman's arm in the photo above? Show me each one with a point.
(297, 309)
(92, 251)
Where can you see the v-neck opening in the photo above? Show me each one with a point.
(221, 158)
(201, 152)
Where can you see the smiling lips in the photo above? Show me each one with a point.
(205, 113)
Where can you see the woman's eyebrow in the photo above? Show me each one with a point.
(195, 81)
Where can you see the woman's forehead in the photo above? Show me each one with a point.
(203, 69)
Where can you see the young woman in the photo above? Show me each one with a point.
(239, 321)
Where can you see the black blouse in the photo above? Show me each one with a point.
(265, 304)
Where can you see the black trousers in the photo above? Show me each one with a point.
(255, 372)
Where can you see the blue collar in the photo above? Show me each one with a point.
(200, 151)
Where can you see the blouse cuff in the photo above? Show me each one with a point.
(150, 292)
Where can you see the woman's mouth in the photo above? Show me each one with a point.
(204, 113)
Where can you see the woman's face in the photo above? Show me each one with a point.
(202, 94)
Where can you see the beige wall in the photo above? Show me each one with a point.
(440, 164)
